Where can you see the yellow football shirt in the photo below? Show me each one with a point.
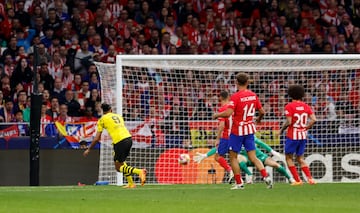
(115, 126)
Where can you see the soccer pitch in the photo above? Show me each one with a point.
(318, 198)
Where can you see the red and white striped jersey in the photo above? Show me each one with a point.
(228, 121)
(44, 121)
(244, 103)
(299, 113)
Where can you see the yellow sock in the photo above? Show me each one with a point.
(129, 170)
(129, 179)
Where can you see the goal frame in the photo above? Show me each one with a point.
(120, 59)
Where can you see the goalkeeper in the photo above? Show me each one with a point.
(244, 161)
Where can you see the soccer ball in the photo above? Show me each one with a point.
(184, 159)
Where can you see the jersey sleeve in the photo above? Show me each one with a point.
(222, 109)
(288, 112)
(100, 125)
(211, 152)
(263, 145)
(258, 104)
(232, 102)
(220, 119)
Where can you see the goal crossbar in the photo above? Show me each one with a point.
(245, 62)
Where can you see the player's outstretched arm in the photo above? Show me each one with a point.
(268, 148)
(224, 114)
(93, 143)
(200, 156)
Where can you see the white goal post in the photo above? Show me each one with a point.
(167, 102)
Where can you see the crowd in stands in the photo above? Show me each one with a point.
(69, 35)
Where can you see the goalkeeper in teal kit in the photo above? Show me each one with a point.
(245, 163)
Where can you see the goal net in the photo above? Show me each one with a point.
(167, 103)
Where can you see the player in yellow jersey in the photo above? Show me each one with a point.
(122, 142)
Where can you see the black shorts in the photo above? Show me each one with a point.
(122, 149)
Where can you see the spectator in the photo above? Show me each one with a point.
(73, 105)
(94, 82)
(97, 47)
(25, 41)
(44, 57)
(45, 77)
(9, 65)
(131, 9)
(92, 69)
(230, 46)
(88, 116)
(91, 101)
(58, 90)
(67, 77)
(20, 103)
(83, 94)
(48, 37)
(7, 113)
(46, 98)
(82, 58)
(38, 25)
(11, 49)
(54, 110)
(154, 39)
(23, 128)
(110, 57)
(143, 13)
(318, 46)
(23, 16)
(84, 12)
(76, 84)
(98, 110)
(63, 116)
(6, 19)
(22, 74)
(254, 47)
(218, 48)
(131, 27)
(26, 111)
(45, 119)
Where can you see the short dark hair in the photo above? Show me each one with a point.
(224, 94)
(18, 111)
(242, 78)
(105, 107)
(296, 92)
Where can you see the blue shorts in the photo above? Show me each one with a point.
(223, 146)
(295, 146)
(236, 142)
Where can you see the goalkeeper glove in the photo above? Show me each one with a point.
(199, 157)
(275, 153)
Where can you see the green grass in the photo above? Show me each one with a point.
(183, 198)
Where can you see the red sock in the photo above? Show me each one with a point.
(294, 173)
(223, 163)
(264, 173)
(306, 170)
(237, 179)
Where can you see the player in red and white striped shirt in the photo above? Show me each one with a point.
(297, 114)
(243, 106)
